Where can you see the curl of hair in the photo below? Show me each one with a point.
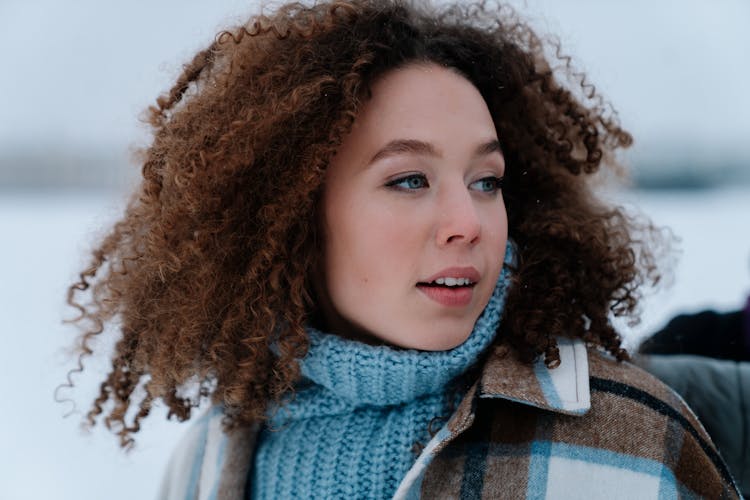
(212, 260)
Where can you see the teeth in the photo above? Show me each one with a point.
(453, 281)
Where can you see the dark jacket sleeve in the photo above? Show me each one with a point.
(718, 391)
(707, 333)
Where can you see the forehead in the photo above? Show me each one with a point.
(422, 90)
(424, 102)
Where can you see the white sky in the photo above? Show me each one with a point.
(79, 72)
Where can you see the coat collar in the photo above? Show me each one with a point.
(564, 389)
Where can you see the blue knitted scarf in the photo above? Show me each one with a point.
(350, 430)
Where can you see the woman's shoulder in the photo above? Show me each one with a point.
(630, 382)
(594, 424)
(208, 462)
(182, 474)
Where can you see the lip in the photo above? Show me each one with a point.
(451, 297)
(456, 272)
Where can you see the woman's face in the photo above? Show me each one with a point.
(414, 221)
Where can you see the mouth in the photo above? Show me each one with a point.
(453, 287)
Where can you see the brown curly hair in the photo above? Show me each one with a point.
(211, 262)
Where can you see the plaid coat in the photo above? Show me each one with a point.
(591, 428)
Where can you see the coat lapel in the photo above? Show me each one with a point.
(564, 389)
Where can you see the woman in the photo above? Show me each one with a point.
(340, 204)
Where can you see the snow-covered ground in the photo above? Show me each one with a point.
(712, 253)
(45, 239)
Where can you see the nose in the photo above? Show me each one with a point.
(458, 219)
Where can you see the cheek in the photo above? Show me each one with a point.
(369, 246)
(495, 224)
(494, 221)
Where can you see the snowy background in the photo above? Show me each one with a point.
(76, 75)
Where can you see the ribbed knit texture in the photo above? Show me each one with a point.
(350, 430)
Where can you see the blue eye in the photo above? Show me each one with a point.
(488, 184)
(410, 182)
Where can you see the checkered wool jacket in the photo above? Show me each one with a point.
(592, 428)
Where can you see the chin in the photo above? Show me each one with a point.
(444, 342)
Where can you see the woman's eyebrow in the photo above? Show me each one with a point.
(417, 147)
(488, 148)
(405, 146)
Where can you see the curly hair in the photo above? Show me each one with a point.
(212, 260)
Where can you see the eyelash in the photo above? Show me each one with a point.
(497, 183)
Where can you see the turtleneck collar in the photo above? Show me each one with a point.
(359, 374)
